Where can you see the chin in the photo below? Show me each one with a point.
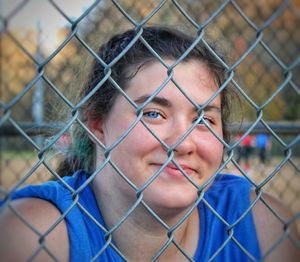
(170, 201)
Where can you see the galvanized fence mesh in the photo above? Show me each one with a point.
(263, 40)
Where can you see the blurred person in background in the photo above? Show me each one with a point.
(245, 150)
(264, 145)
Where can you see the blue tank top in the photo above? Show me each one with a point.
(229, 196)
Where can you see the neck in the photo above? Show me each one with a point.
(141, 236)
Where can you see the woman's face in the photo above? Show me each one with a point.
(169, 116)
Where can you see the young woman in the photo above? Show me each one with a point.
(145, 184)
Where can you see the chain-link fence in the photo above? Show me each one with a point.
(40, 83)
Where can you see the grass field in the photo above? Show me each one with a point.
(285, 184)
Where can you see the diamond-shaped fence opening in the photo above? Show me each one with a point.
(41, 122)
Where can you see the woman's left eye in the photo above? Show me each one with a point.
(207, 119)
(153, 114)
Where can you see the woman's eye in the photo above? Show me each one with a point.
(153, 114)
(207, 119)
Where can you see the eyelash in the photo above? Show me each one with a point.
(146, 114)
(208, 119)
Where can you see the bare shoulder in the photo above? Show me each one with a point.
(271, 225)
(23, 226)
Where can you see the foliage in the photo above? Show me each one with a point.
(258, 74)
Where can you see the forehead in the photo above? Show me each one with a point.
(193, 77)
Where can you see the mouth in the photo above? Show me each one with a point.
(173, 171)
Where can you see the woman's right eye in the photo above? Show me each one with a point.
(153, 114)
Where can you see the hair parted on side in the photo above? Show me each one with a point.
(168, 44)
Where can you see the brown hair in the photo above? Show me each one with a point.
(167, 43)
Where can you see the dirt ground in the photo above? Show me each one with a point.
(285, 185)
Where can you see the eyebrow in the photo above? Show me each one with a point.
(167, 103)
(156, 100)
(211, 108)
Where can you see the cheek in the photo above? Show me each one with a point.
(138, 142)
(116, 127)
(133, 153)
(210, 148)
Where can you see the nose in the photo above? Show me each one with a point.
(181, 139)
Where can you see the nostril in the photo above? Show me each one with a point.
(185, 146)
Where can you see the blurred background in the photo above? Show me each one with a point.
(45, 52)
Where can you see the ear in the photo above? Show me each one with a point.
(96, 127)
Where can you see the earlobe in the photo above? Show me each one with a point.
(96, 127)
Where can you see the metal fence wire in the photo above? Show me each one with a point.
(39, 107)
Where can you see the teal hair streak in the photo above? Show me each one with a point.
(83, 151)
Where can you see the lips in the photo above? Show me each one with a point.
(185, 168)
(172, 170)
